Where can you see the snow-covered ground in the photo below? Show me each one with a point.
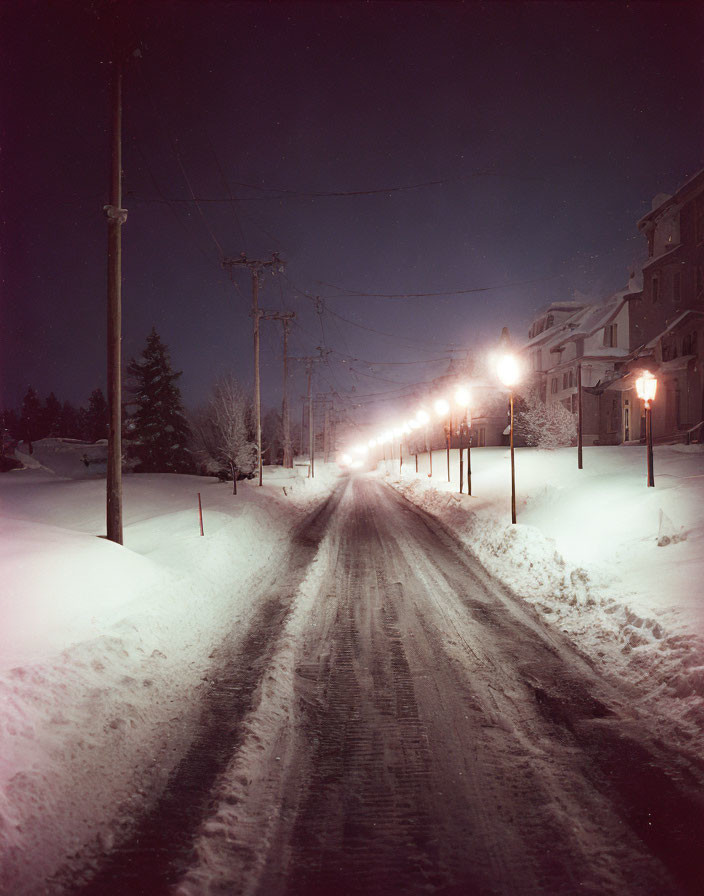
(104, 649)
(616, 565)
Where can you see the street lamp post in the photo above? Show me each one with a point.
(462, 399)
(442, 409)
(423, 419)
(508, 372)
(646, 386)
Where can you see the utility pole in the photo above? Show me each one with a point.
(285, 317)
(311, 437)
(579, 416)
(116, 216)
(309, 361)
(256, 268)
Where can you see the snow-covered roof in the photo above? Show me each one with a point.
(671, 326)
(586, 320)
(663, 256)
(659, 207)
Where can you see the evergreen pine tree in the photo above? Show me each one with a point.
(97, 416)
(52, 416)
(161, 433)
(31, 418)
(70, 424)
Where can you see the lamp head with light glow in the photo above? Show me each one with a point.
(508, 369)
(442, 407)
(462, 397)
(646, 387)
(423, 417)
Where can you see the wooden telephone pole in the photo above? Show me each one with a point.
(285, 317)
(309, 361)
(116, 216)
(256, 268)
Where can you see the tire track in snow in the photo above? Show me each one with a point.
(160, 846)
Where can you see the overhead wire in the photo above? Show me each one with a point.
(177, 156)
(347, 294)
(285, 193)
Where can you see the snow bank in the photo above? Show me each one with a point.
(104, 649)
(614, 564)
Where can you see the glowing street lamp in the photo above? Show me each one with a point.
(509, 372)
(646, 386)
(463, 398)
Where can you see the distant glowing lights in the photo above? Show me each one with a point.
(462, 396)
(442, 407)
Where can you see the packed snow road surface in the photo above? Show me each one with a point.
(397, 723)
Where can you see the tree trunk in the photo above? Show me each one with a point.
(234, 479)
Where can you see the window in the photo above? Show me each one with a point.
(611, 335)
(571, 380)
(651, 243)
(553, 386)
(564, 380)
(579, 347)
(655, 289)
(689, 343)
(539, 360)
(677, 286)
(481, 437)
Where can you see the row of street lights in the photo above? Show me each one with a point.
(508, 371)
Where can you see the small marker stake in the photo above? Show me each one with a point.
(200, 514)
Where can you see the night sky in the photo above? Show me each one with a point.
(511, 146)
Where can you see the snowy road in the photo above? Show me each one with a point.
(394, 722)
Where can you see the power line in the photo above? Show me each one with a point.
(227, 187)
(346, 294)
(284, 193)
(175, 151)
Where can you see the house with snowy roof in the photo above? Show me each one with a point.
(657, 325)
(567, 336)
(667, 320)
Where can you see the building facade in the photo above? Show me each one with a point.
(658, 326)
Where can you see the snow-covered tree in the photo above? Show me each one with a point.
(221, 431)
(160, 431)
(545, 425)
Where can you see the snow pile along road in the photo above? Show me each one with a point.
(104, 650)
(614, 564)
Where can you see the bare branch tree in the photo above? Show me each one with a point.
(221, 431)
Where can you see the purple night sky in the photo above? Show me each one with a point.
(539, 132)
